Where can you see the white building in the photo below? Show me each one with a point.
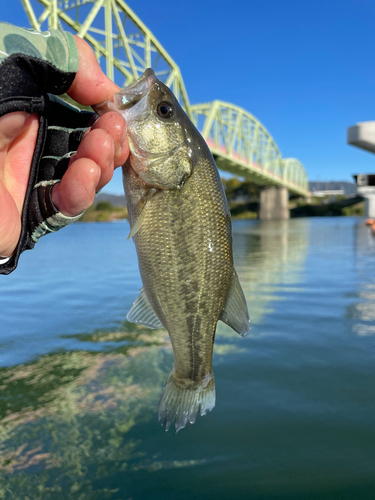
(328, 192)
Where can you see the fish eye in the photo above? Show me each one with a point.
(165, 109)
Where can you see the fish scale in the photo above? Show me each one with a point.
(191, 258)
(181, 227)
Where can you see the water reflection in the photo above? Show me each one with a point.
(269, 258)
(295, 402)
(363, 310)
(70, 412)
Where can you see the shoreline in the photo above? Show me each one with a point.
(93, 214)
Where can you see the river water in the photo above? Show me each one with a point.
(295, 410)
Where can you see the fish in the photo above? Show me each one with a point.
(181, 226)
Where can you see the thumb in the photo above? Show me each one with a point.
(91, 85)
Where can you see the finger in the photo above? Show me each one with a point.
(76, 192)
(115, 126)
(98, 145)
(18, 132)
(11, 126)
(10, 223)
(77, 189)
(90, 85)
(16, 158)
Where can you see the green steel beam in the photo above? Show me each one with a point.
(90, 18)
(115, 33)
(54, 15)
(108, 39)
(253, 155)
(31, 14)
(125, 43)
(238, 141)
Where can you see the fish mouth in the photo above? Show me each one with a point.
(131, 95)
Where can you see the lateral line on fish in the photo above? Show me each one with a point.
(138, 223)
(193, 343)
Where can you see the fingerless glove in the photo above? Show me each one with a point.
(35, 67)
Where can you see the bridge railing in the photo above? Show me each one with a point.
(242, 145)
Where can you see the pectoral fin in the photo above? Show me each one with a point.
(235, 313)
(141, 312)
(138, 223)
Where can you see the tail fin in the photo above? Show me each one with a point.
(183, 404)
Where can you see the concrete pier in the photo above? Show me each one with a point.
(274, 203)
(362, 135)
(369, 204)
(366, 189)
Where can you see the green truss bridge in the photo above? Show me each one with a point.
(241, 145)
(125, 47)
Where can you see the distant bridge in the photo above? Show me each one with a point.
(241, 145)
(125, 47)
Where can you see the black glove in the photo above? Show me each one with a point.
(29, 75)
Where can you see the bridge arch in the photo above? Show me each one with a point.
(241, 145)
(125, 47)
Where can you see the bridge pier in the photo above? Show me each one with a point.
(274, 203)
(369, 205)
(368, 193)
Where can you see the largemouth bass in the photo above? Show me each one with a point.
(181, 226)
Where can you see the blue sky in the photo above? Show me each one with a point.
(304, 69)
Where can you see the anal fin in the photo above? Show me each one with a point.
(141, 312)
(235, 313)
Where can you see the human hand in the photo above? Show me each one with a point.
(103, 148)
